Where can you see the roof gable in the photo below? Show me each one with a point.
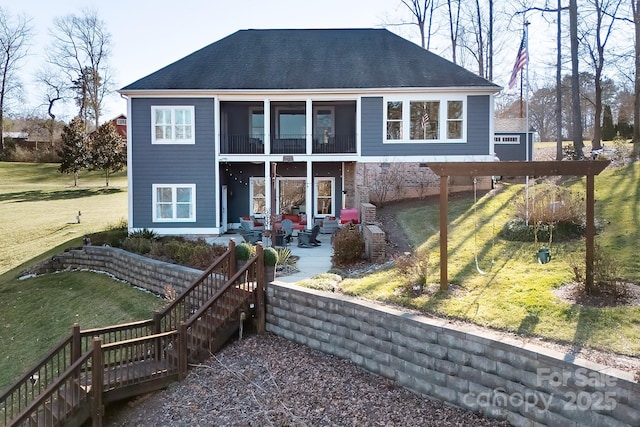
(310, 59)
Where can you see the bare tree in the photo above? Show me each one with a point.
(55, 89)
(594, 35)
(15, 33)
(454, 26)
(421, 11)
(81, 49)
(578, 144)
(635, 6)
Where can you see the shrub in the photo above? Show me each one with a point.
(113, 236)
(415, 268)
(285, 257)
(348, 245)
(138, 245)
(244, 251)
(144, 233)
(270, 256)
(606, 273)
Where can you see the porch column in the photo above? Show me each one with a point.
(267, 126)
(308, 206)
(309, 126)
(267, 189)
(216, 162)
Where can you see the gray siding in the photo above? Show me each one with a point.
(514, 151)
(478, 136)
(372, 126)
(172, 163)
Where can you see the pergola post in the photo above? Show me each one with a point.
(590, 233)
(444, 224)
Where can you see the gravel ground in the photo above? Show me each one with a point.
(269, 381)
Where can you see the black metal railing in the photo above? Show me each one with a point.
(288, 144)
(241, 144)
(338, 144)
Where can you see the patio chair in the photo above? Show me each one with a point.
(249, 235)
(308, 239)
(287, 226)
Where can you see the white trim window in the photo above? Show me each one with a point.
(172, 124)
(428, 119)
(323, 202)
(257, 197)
(174, 202)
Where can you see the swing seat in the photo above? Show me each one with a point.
(543, 255)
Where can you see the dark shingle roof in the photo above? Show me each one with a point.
(310, 59)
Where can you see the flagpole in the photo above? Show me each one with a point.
(526, 100)
(526, 115)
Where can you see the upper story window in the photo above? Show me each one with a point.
(172, 125)
(394, 120)
(174, 202)
(121, 122)
(291, 123)
(438, 120)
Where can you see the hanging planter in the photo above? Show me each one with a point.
(543, 256)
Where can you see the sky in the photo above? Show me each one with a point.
(148, 35)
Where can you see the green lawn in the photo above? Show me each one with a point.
(516, 293)
(39, 208)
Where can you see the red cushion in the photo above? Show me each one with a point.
(248, 218)
(257, 224)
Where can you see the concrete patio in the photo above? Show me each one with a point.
(311, 261)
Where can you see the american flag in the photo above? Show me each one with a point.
(521, 61)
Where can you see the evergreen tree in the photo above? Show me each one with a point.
(623, 128)
(608, 131)
(74, 154)
(107, 152)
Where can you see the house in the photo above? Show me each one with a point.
(287, 121)
(510, 135)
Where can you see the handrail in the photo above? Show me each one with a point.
(39, 383)
(198, 292)
(54, 387)
(33, 382)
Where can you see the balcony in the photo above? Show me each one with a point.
(287, 144)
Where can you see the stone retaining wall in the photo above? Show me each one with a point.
(144, 272)
(501, 376)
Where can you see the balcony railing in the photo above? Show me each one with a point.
(337, 144)
(241, 144)
(287, 144)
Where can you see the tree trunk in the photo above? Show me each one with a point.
(559, 85)
(578, 144)
(636, 99)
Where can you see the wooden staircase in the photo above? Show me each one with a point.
(65, 389)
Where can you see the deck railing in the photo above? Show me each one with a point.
(135, 353)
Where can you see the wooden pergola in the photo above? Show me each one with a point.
(588, 168)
